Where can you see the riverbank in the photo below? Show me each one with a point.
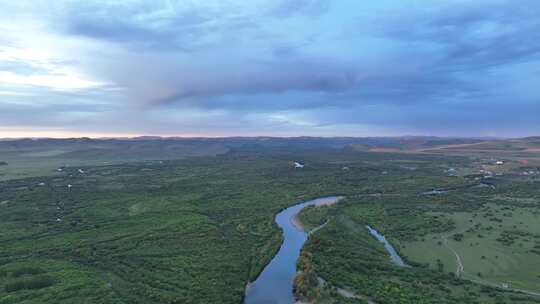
(295, 220)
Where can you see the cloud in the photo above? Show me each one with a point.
(276, 67)
(288, 8)
(137, 29)
(260, 78)
(160, 26)
(473, 34)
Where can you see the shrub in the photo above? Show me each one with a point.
(14, 286)
(26, 270)
(457, 237)
(39, 282)
(36, 282)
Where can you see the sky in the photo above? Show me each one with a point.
(270, 67)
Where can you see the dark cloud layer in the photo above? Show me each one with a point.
(476, 34)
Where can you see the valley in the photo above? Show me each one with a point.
(199, 229)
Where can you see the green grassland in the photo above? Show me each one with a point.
(345, 256)
(511, 151)
(499, 244)
(31, 158)
(145, 228)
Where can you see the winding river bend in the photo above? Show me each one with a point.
(275, 284)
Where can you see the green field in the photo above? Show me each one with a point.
(499, 245)
(345, 256)
(30, 158)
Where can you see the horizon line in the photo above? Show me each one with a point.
(150, 137)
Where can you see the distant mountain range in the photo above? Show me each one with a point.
(173, 146)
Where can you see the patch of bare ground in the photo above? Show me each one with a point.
(351, 295)
(389, 150)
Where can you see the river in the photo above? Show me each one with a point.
(389, 248)
(275, 284)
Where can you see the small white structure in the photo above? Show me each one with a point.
(345, 168)
(41, 184)
(58, 219)
(59, 170)
(451, 172)
(81, 171)
(499, 162)
(69, 186)
(298, 165)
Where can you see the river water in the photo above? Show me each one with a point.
(393, 253)
(275, 284)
